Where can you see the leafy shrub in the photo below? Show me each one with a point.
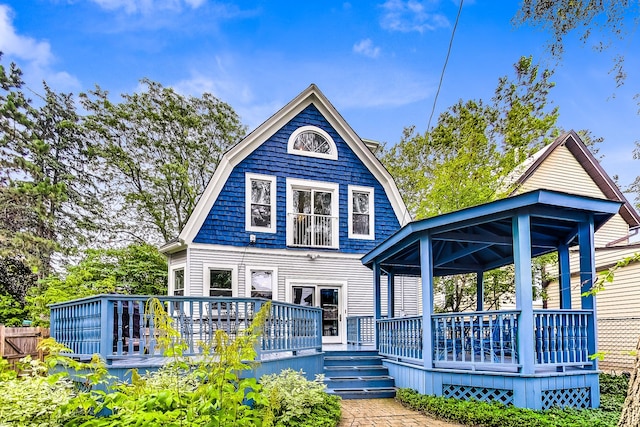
(292, 400)
(494, 414)
(33, 398)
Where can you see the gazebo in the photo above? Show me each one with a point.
(533, 358)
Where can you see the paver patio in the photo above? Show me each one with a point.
(385, 413)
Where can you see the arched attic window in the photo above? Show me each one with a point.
(313, 142)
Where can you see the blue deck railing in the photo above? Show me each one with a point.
(486, 340)
(119, 326)
(361, 330)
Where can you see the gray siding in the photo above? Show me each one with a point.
(294, 266)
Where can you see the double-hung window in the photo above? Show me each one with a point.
(361, 213)
(260, 202)
(178, 282)
(262, 282)
(312, 214)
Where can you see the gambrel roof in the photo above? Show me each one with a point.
(234, 156)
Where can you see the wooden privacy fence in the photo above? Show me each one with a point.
(16, 343)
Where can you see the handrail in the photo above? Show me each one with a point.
(117, 326)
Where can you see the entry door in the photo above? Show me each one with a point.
(329, 300)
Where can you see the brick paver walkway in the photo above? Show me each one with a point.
(384, 413)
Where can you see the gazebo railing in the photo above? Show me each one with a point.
(561, 337)
(400, 337)
(475, 338)
(120, 326)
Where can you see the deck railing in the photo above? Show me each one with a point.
(476, 338)
(121, 326)
(361, 330)
(400, 337)
(561, 337)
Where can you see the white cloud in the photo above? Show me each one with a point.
(146, 6)
(25, 48)
(33, 56)
(411, 15)
(365, 47)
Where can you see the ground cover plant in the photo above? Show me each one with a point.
(212, 391)
(484, 414)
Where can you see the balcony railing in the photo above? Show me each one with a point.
(119, 326)
(311, 230)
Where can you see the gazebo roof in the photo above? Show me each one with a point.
(480, 238)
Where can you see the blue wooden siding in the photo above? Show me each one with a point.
(225, 223)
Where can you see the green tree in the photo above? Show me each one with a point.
(160, 150)
(48, 195)
(466, 159)
(138, 269)
(604, 22)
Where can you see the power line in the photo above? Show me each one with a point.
(444, 67)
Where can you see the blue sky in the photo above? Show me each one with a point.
(378, 62)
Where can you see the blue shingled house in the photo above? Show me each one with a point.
(287, 216)
(302, 214)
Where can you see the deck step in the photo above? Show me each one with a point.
(352, 360)
(364, 393)
(357, 375)
(355, 371)
(359, 382)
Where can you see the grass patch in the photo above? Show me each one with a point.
(613, 391)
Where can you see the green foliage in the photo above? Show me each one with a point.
(137, 269)
(160, 150)
(48, 194)
(209, 391)
(485, 414)
(292, 400)
(37, 398)
(464, 159)
(603, 22)
(11, 312)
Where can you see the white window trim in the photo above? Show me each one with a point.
(274, 280)
(172, 278)
(206, 278)
(247, 202)
(334, 188)
(372, 222)
(334, 151)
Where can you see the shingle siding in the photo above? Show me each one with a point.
(225, 223)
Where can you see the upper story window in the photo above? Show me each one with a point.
(312, 213)
(313, 142)
(361, 213)
(260, 202)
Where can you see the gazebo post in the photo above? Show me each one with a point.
(390, 295)
(377, 307)
(587, 276)
(565, 277)
(524, 293)
(426, 271)
(480, 290)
